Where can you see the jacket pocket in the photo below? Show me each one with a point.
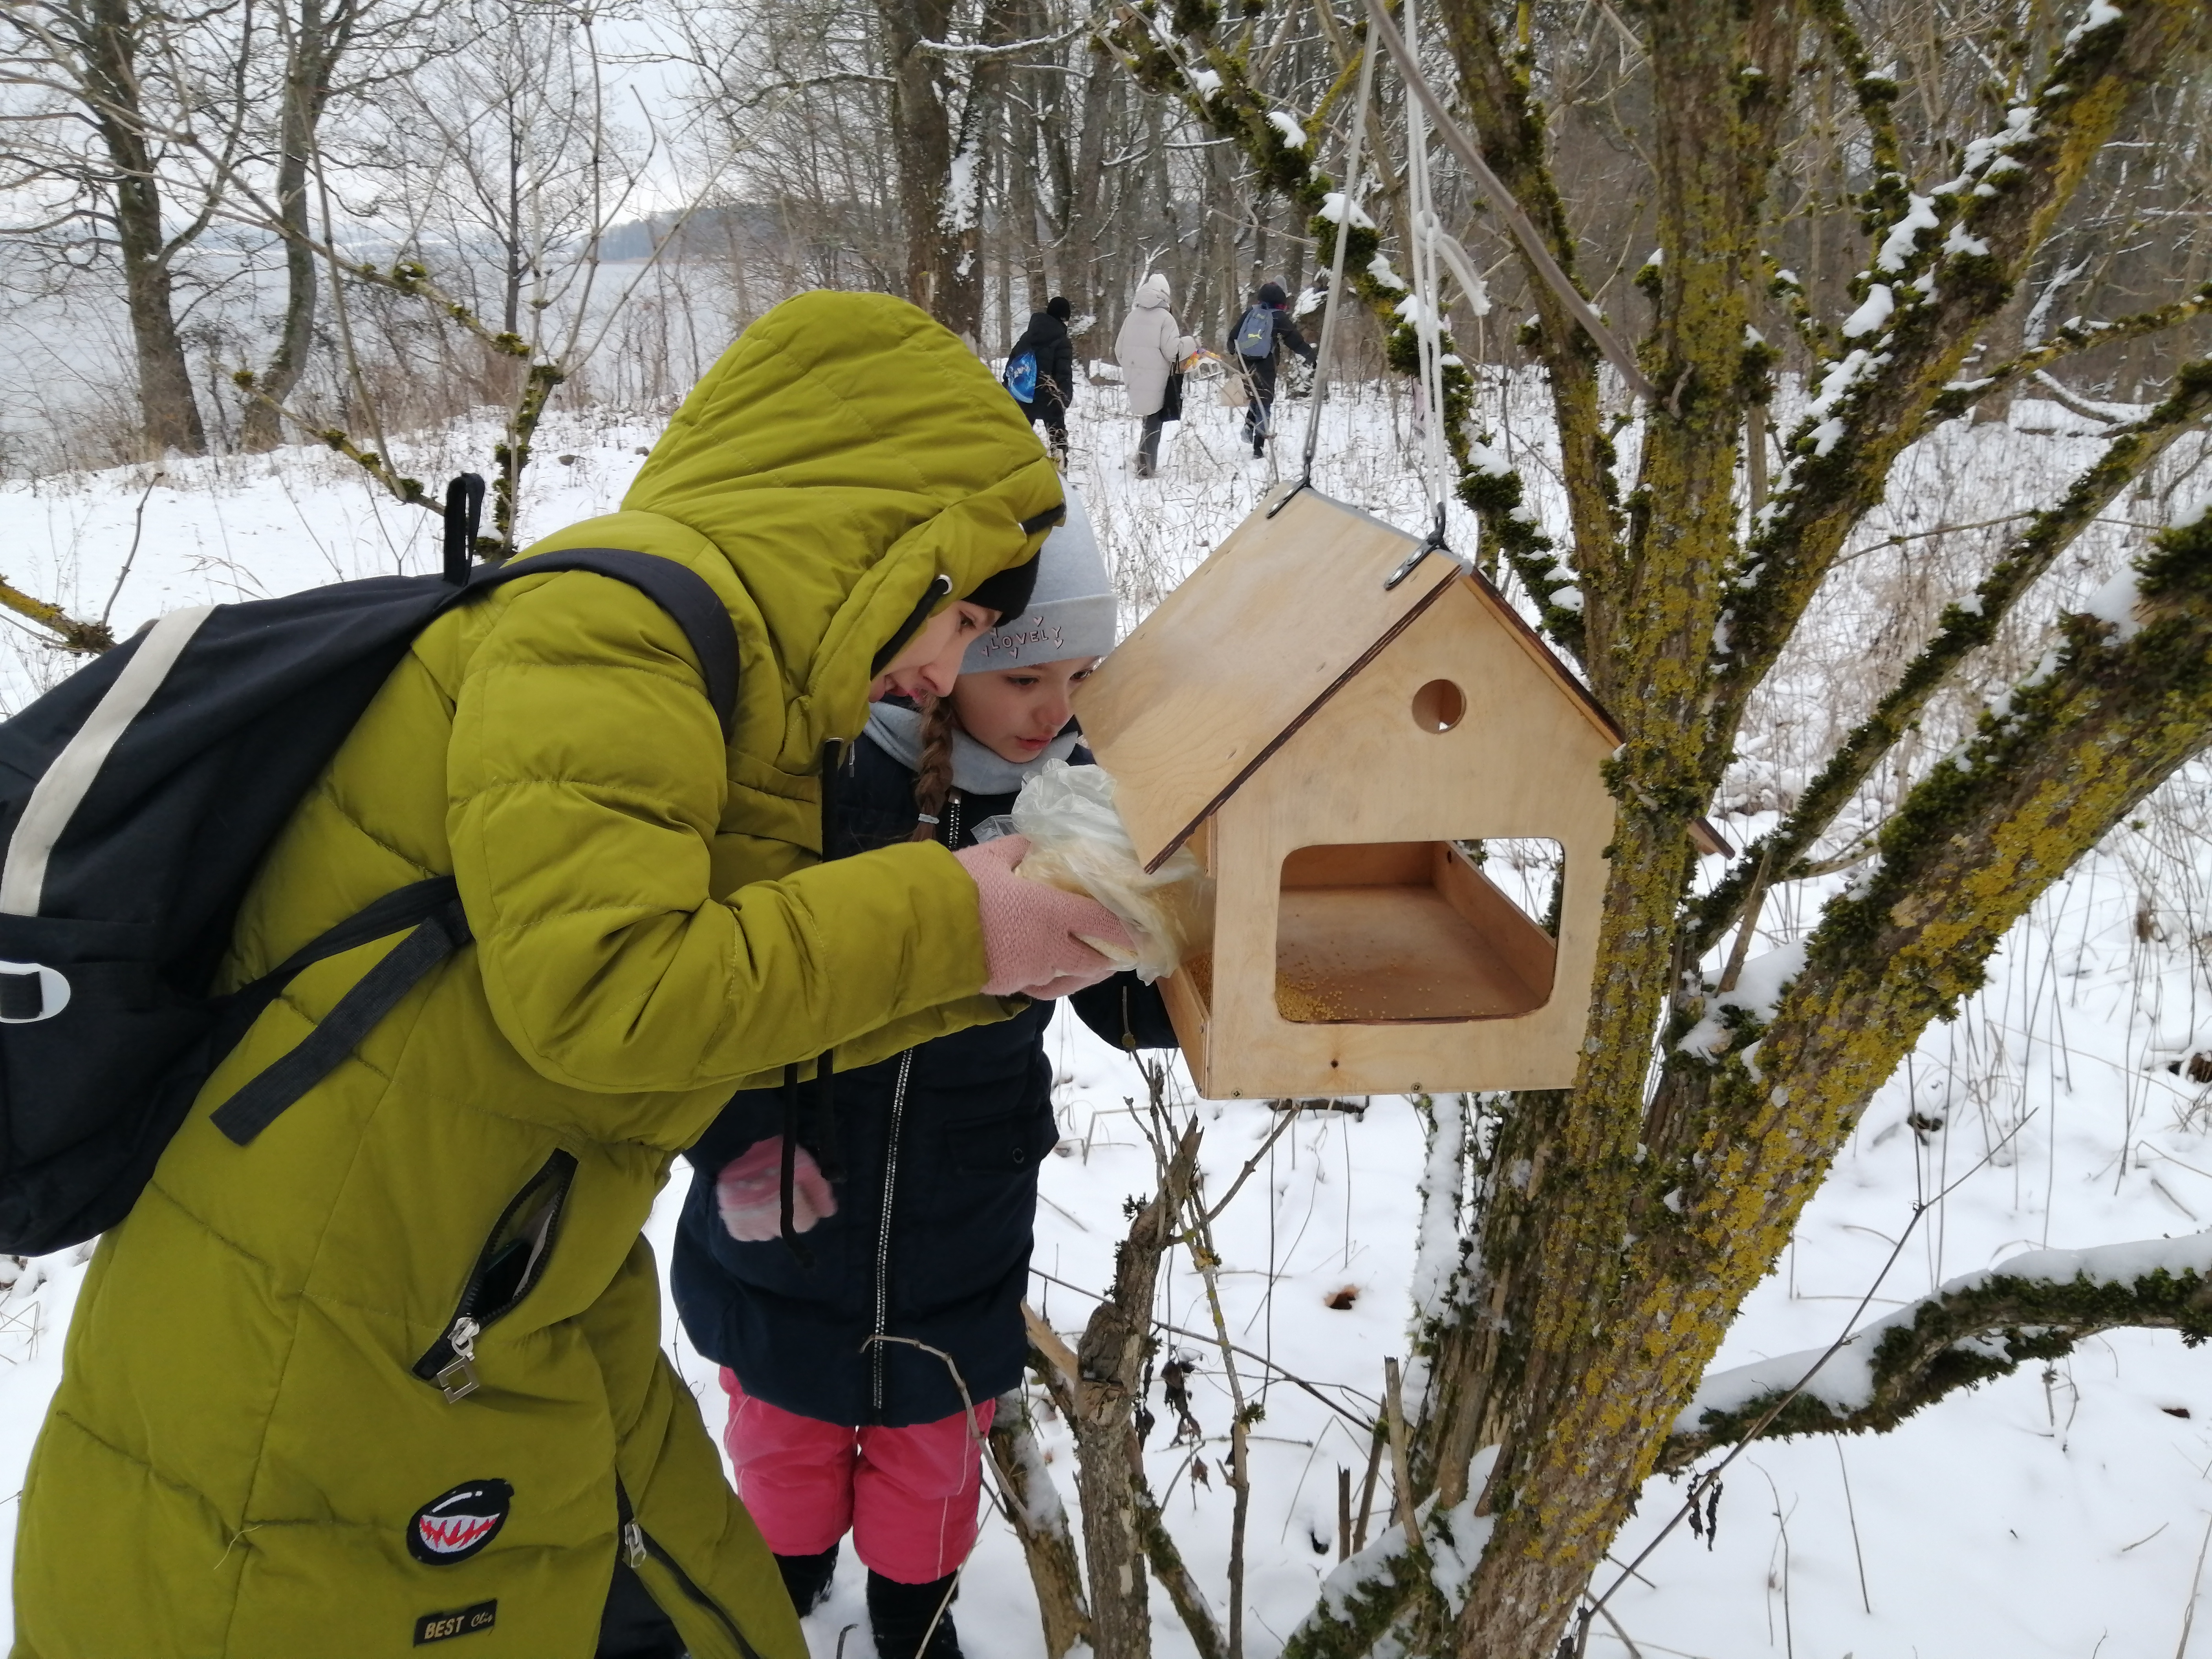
(1011, 1143)
(669, 1584)
(508, 1268)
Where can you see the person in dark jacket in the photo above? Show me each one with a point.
(1046, 340)
(1281, 330)
(916, 1206)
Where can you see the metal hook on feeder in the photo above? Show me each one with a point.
(1434, 542)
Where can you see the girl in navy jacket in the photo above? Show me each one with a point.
(916, 1205)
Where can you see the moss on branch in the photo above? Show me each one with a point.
(1964, 628)
(1945, 281)
(70, 632)
(1963, 1335)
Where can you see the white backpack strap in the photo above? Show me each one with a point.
(58, 794)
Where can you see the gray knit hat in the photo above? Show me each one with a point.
(1071, 613)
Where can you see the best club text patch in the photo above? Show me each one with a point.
(462, 1621)
(453, 1526)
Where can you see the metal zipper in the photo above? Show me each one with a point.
(884, 1229)
(638, 1547)
(449, 1364)
(891, 1171)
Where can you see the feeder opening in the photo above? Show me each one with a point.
(1382, 933)
(1439, 706)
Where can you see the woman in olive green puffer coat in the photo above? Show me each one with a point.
(251, 1454)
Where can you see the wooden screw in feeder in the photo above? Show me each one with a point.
(1329, 740)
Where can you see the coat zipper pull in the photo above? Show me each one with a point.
(634, 1549)
(457, 1379)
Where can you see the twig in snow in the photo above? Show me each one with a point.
(2196, 1579)
(137, 531)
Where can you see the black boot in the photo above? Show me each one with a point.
(806, 1577)
(899, 1613)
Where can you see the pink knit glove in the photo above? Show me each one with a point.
(750, 1192)
(1030, 931)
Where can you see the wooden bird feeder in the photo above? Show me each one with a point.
(1337, 747)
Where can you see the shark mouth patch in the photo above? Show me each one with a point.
(454, 1525)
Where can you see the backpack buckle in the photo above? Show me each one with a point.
(31, 992)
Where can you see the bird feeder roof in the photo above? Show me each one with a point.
(1283, 615)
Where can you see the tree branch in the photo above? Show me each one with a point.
(1510, 126)
(2073, 338)
(71, 634)
(1964, 628)
(1984, 1325)
(1234, 109)
(1942, 273)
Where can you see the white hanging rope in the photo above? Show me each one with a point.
(1424, 300)
(1347, 215)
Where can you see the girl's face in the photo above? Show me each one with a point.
(1015, 713)
(929, 664)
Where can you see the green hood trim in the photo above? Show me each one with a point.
(844, 452)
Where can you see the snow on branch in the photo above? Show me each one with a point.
(1964, 628)
(1980, 1326)
(1370, 1594)
(2074, 337)
(974, 53)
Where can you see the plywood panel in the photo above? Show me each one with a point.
(1520, 762)
(1185, 992)
(1372, 864)
(1524, 947)
(1376, 955)
(1249, 644)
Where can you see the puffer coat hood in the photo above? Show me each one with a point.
(397, 1361)
(812, 458)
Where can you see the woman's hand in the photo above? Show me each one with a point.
(749, 1192)
(1033, 934)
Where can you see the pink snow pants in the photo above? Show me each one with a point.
(907, 1496)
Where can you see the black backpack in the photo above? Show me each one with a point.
(136, 799)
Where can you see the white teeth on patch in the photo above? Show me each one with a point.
(451, 1533)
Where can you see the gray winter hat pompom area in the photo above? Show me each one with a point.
(1071, 611)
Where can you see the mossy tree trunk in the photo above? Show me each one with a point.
(1624, 1220)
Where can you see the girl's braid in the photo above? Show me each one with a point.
(933, 781)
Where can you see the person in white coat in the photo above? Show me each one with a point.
(1149, 347)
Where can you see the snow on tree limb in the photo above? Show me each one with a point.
(2011, 185)
(1980, 1326)
(1215, 86)
(1965, 627)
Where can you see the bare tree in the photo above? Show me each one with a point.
(1620, 1223)
(126, 118)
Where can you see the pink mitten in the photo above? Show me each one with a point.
(750, 1192)
(1033, 933)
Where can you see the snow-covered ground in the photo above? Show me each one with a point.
(2064, 1512)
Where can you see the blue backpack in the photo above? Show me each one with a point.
(1021, 377)
(1255, 334)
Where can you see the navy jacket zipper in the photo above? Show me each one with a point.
(951, 833)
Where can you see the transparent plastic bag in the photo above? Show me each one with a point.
(1078, 844)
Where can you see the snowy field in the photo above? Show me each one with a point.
(2065, 1511)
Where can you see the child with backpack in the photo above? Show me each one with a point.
(910, 1215)
(1040, 373)
(1255, 345)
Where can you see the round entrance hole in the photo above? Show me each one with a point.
(1439, 706)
